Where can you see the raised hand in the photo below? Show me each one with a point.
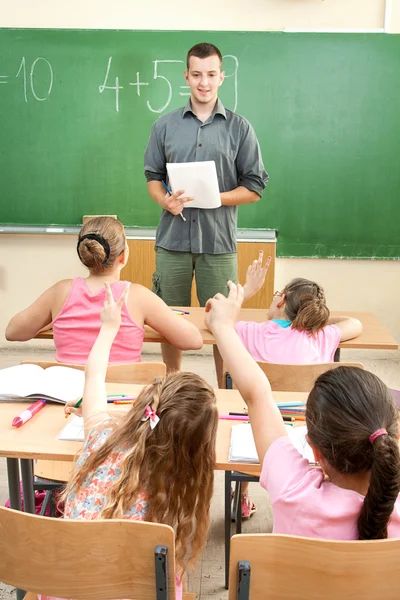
(255, 276)
(111, 312)
(222, 311)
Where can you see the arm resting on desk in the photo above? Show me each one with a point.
(349, 327)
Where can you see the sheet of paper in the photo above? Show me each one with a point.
(73, 430)
(243, 450)
(197, 179)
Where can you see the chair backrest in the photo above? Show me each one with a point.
(99, 559)
(297, 378)
(143, 372)
(284, 567)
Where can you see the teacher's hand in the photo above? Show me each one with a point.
(176, 202)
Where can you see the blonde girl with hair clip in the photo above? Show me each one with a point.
(156, 462)
(352, 423)
(72, 306)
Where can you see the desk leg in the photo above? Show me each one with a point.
(336, 357)
(228, 483)
(13, 483)
(15, 496)
(27, 484)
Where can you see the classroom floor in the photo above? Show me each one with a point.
(208, 579)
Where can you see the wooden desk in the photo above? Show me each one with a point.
(374, 335)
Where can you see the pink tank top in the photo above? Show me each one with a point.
(78, 323)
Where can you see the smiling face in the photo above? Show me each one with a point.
(204, 78)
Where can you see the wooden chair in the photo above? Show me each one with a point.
(297, 378)
(285, 567)
(88, 560)
(52, 474)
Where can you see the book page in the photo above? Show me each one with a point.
(59, 383)
(197, 179)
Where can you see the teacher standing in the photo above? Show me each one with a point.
(204, 244)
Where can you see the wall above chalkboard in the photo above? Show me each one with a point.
(77, 107)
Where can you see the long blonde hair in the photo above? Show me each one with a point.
(172, 464)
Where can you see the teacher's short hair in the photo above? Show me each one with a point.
(203, 50)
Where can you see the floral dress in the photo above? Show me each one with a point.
(87, 501)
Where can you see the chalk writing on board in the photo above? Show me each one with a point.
(161, 82)
(22, 69)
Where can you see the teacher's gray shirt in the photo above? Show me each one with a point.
(229, 140)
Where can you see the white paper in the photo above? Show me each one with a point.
(243, 450)
(197, 179)
(73, 430)
(56, 383)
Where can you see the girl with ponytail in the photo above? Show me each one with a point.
(156, 462)
(299, 328)
(352, 423)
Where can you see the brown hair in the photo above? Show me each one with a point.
(345, 407)
(305, 305)
(172, 464)
(203, 50)
(100, 242)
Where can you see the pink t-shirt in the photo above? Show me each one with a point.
(306, 505)
(269, 342)
(77, 325)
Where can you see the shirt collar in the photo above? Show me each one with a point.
(219, 109)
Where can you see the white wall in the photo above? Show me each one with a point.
(350, 285)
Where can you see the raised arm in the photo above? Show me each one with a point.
(266, 421)
(175, 328)
(349, 327)
(94, 394)
(26, 324)
(255, 276)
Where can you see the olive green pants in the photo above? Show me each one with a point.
(172, 280)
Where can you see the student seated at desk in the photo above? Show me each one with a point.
(156, 462)
(73, 305)
(352, 424)
(298, 329)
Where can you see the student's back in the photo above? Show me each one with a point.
(73, 305)
(299, 329)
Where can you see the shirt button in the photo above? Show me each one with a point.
(200, 145)
(193, 220)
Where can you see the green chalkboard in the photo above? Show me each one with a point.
(75, 122)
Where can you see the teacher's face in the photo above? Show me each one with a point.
(204, 78)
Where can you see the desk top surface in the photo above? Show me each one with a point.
(374, 335)
(38, 437)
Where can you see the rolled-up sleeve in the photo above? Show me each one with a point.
(251, 172)
(155, 168)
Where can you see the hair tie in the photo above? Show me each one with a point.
(97, 238)
(377, 434)
(151, 414)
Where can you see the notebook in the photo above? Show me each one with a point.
(198, 179)
(243, 450)
(25, 382)
(73, 430)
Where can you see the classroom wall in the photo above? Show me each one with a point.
(350, 285)
(372, 286)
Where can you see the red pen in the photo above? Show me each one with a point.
(28, 413)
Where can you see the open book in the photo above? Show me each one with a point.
(243, 450)
(23, 382)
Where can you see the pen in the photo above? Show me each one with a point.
(234, 417)
(290, 404)
(169, 192)
(235, 414)
(120, 399)
(181, 312)
(28, 413)
(76, 405)
(288, 419)
(123, 402)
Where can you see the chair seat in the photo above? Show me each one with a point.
(54, 470)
